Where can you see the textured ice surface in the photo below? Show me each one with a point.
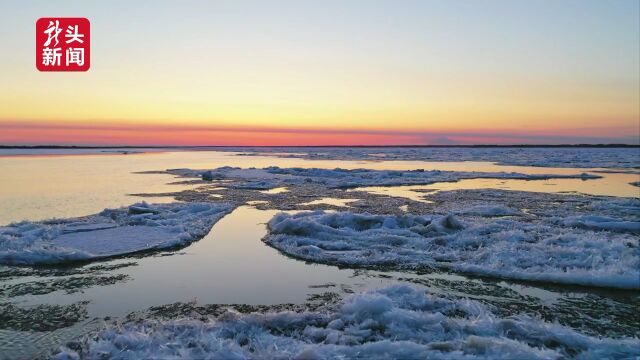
(546, 157)
(398, 322)
(596, 222)
(583, 250)
(272, 177)
(489, 210)
(111, 232)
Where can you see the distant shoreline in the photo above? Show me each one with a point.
(318, 146)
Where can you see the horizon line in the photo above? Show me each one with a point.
(49, 146)
(16, 133)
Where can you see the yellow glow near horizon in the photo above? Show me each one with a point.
(362, 102)
(421, 78)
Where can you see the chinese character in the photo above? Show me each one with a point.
(75, 56)
(52, 32)
(63, 44)
(51, 57)
(72, 33)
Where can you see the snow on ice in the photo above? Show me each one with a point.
(581, 250)
(272, 177)
(112, 232)
(572, 157)
(398, 322)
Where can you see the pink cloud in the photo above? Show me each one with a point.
(23, 132)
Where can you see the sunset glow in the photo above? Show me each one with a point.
(329, 73)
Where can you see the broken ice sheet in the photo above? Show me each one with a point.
(400, 321)
(575, 251)
(576, 157)
(275, 177)
(111, 232)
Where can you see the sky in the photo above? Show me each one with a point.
(348, 72)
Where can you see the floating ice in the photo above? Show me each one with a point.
(573, 157)
(112, 232)
(398, 322)
(342, 178)
(207, 176)
(490, 210)
(602, 223)
(621, 207)
(561, 252)
(272, 177)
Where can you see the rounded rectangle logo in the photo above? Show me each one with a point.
(63, 44)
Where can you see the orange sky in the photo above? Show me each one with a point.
(329, 73)
(163, 134)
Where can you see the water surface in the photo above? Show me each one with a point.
(37, 187)
(231, 264)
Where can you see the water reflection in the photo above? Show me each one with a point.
(611, 185)
(331, 201)
(36, 187)
(232, 266)
(229, 265)
(278, 190)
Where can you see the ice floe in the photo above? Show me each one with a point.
(273, 177)
(398, 322)
(109, 233)
(490, 210)
(587, 250)
(602, 223)
(573, 157)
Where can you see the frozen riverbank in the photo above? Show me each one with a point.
(112, 232)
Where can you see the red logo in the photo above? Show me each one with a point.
(62, 44)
